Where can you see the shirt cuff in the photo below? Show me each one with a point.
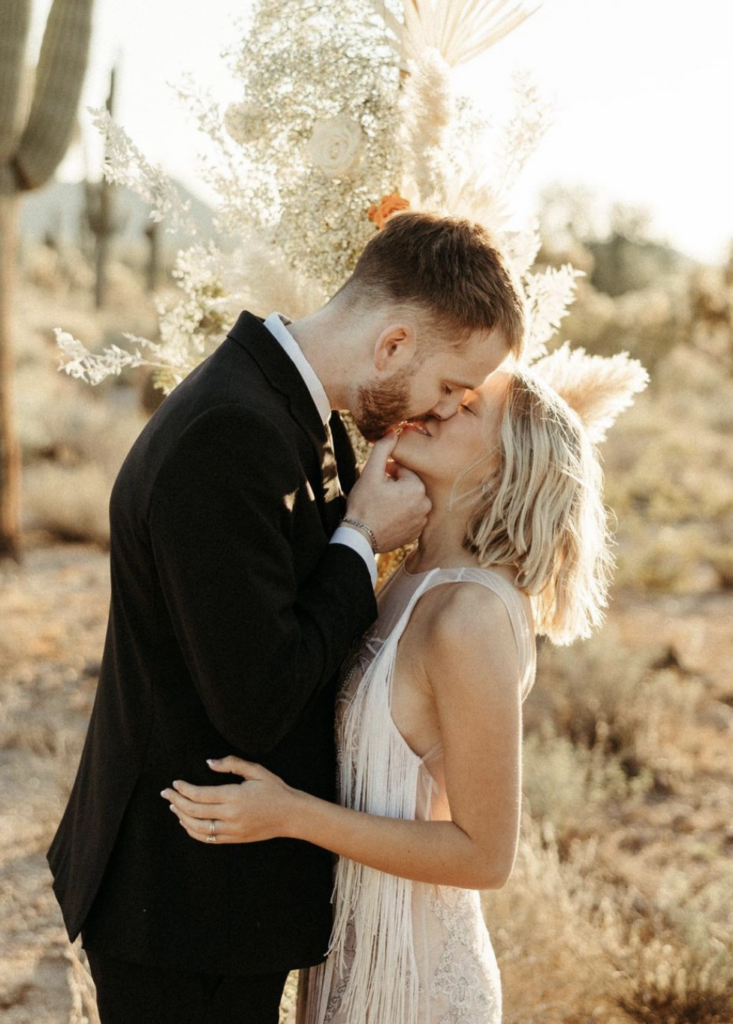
(357, 541)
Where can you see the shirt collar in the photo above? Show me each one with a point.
(276, 324)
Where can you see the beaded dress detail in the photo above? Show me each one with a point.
(403, 952)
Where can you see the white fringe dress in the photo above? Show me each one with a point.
(403, 952)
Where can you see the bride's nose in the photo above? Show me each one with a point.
(447, 407)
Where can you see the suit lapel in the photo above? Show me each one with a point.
(282, 373)
(279, 369)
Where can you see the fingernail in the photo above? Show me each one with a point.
(175, 784)
(171, 808)
(164, 793)
(212, 760)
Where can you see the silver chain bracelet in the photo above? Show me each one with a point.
(363, 526)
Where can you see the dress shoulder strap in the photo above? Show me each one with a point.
(513, 602)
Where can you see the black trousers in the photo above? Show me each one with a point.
(135, 994)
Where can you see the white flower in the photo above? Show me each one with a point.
(335, 146)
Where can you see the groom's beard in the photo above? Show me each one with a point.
(382, 406)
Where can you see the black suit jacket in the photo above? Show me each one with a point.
(230, 616)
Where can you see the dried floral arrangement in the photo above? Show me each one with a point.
(345, 116)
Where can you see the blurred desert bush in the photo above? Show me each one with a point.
(669, 461)
(73, 437)
(574, 948)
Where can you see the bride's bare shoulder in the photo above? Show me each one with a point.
(460, 643)
(453, 615)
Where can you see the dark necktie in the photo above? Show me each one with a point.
(331, 485)
(333, 499)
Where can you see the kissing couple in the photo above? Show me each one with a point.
(244, 625)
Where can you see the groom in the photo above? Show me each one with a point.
(241, 577)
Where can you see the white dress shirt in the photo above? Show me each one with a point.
(276, 325)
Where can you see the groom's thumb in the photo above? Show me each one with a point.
(380, 453)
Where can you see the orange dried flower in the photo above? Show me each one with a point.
(386, 207)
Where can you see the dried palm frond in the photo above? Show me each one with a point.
(459, 29)
(529, 121)
(598, 388)
(473, 196)
(258, 276)
(548, 294)
(521, 248)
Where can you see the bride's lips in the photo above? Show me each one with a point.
(417, 425)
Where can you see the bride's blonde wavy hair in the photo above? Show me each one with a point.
(540, 509)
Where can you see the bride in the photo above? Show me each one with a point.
(429, 718)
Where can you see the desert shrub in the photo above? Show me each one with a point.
(669, 463)
(720, 558)
(669, 479)
(547, 925)
(670, 559)
(81, 985)
(662, 983)
(587, 693)
(68, 504)
(674, 964)
(573, 946)
(647, 323)
(73, 440)
(569, 786)
(57, 269)
(289, 999)
(73, 427)
(711, 300)
(601, 697)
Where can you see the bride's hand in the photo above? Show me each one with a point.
(248, 812)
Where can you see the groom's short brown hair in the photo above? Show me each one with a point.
(448, 267)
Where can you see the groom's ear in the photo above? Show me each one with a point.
(395, 347)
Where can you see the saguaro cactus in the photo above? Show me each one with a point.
(102, 219)
(35, 132)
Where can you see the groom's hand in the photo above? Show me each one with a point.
(391, 501)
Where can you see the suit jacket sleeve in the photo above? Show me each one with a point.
(257, 645)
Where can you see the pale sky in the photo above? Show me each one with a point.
(641, 89)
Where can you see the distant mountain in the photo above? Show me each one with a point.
(57, 210)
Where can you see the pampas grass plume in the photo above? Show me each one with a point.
(598, 388)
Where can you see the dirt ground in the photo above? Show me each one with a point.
(53, 614)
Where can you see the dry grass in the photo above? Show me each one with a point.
(73, 438)
(620, 907)
(574, 947)
(669, 479)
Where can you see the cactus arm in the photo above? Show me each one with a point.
(59, 79)
(15, 16)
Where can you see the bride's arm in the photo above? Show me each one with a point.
(471, 661)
